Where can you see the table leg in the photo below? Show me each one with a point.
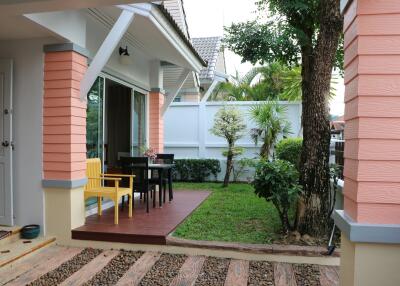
(170, 192)
(160, 188)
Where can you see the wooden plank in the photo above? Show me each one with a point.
(238, 273)
(328, 276)
(138, 270)
(190, 270)
(57, 259)
(284, 275)
(91, 269)
(22, 265)
(17, 249)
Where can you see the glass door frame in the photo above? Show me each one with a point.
(133, 89)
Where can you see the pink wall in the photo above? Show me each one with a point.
(372, 96)
(156, 134)
(64, 117)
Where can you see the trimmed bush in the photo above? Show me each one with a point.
(196, 170)
(289, 149)
(277, 182)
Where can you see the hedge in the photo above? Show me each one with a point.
(196, 170)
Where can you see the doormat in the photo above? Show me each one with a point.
(4, 233)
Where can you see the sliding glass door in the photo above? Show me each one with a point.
(139, 123)
(95, 120)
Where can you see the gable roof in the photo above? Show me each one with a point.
(209, 49)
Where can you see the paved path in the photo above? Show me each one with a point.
(239, 272)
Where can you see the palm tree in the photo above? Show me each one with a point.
(234, 90)
(270, 118)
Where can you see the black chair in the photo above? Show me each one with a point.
(139, 166)
(165, 159)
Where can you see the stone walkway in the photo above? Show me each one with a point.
(57, 265)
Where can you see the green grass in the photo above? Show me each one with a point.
(233, 214)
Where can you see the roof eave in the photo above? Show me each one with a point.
(170, 31)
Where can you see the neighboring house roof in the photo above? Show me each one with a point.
(185, 36)
(209, 49)
(337, 125)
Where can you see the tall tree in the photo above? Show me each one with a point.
(310, 31)
(229, 124)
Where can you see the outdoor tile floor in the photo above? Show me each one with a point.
(58, 265)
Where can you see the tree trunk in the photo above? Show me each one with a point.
(317, 65)
(229, 165)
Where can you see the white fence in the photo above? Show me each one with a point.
(187, 125)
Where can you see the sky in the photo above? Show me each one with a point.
(206, 18)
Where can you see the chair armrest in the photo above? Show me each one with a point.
(118, 175)
(104, 178)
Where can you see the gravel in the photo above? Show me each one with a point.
(66, 269)
(115, 269)
(164, 270)
(261, 273)
(306, 274)
(213, 273)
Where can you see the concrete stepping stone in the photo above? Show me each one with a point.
(91, 269)
(238, 273)
(329, 276)
(284, 275)
(189, 271)
(138, 270)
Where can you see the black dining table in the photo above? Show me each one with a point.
(162, 170)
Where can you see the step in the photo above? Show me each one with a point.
(13, 247)
(8, 231)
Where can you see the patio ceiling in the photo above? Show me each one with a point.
(20, 7)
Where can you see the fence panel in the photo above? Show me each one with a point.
(187, 125)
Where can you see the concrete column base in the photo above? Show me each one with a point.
(365, 264)
(65, 210)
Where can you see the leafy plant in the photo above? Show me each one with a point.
(289, 149)
(196, 170)
(271, 122)
(241, 166)
(229, 124)
(277, 182)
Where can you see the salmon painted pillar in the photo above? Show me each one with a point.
(156, 102)
(156, 131)
(370, 221)
(64, 139)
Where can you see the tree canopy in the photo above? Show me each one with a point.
(295, 24)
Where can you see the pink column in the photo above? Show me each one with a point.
(64, 118)
(156, 140)
(372, 78)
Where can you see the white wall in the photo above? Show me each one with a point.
(27, 127)
(187, 125)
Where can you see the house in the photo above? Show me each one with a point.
(337, 128)
(81, 79)
(211, 50)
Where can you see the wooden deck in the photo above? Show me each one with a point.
(144, 228)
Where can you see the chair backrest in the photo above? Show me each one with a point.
(165, 158)
(138, 166)
(93, 169)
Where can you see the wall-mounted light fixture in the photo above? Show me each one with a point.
(123, 52)
(124, 58)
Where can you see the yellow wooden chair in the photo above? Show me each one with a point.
(96, 188)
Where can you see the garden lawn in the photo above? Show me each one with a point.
(233, 214)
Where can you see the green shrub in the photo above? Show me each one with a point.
(277, 182)
(289, 149)
(196, 170)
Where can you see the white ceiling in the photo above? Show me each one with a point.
(19, 7)
(19, 27)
